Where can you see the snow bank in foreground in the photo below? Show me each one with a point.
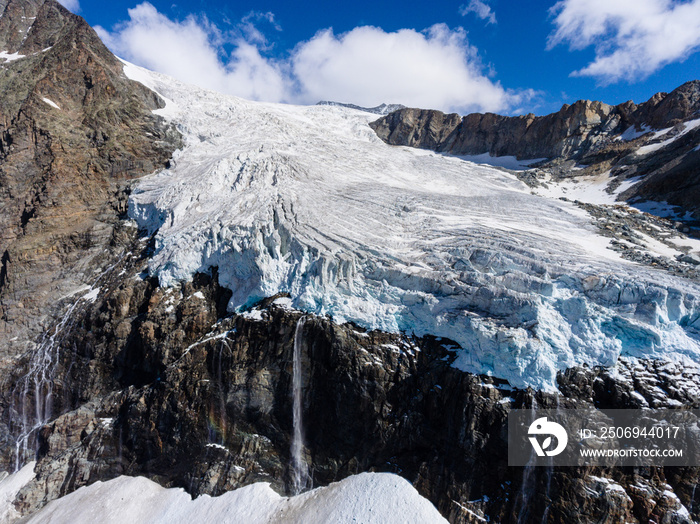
(9, 487)
(380, 498)
(309, 201)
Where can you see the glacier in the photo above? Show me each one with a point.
(309, 201)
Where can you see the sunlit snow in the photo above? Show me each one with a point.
(687, 128)
(10, 57)
(373, 498)
(51, 103)
(309, 201)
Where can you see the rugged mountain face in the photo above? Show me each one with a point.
(593, 134)
(73, 131)
(168, 351)
(173, 388)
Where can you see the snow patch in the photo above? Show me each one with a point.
(51, 103)
(92, 295)
(368, 497)
(631, 133)
(661, 209)
(283, 302)
(687, 127)
(588, 189)
(507, 162)
(10, 57)
(9, 487)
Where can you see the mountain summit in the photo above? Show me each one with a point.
(73, 131)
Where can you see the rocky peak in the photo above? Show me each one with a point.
(529, 136)
(417, 127)
(572, 132)
(73, 131)
(666, 110)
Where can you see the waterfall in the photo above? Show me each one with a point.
(549, 470)
(35, 390)
(300, 470)
(529, 478)
(31, 404)
(692, 499)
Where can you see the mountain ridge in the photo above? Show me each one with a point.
(73, 132)
(594, 135)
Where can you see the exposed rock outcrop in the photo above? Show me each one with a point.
(73, 131)
(588, 133)
(166, 383)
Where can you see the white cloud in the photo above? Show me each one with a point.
(480, 9)
(71, 5)
(368, 66)
(632, 38)
(436, 68)
(189, 51)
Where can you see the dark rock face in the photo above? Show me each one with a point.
(559, 134)
(73, 131)
(584, 132)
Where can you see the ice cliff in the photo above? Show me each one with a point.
(309, 201)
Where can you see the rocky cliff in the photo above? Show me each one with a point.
(73, 131)
(594, 135)
(175, 389)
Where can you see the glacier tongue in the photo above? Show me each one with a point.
(308, 200)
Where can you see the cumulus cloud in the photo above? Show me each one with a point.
(435, 68)
(189, 51)
(71, 5)
(368, 66)
(632, 38)
(480, 9)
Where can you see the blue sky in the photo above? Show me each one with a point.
(471, 55)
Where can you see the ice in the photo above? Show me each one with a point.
(380, 498)
(309, 201)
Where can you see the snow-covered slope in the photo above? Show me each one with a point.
(309, 201)
(9, 487)
(370, 498)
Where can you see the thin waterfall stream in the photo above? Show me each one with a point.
(32, 400)
(301, 479)
(35, 390)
